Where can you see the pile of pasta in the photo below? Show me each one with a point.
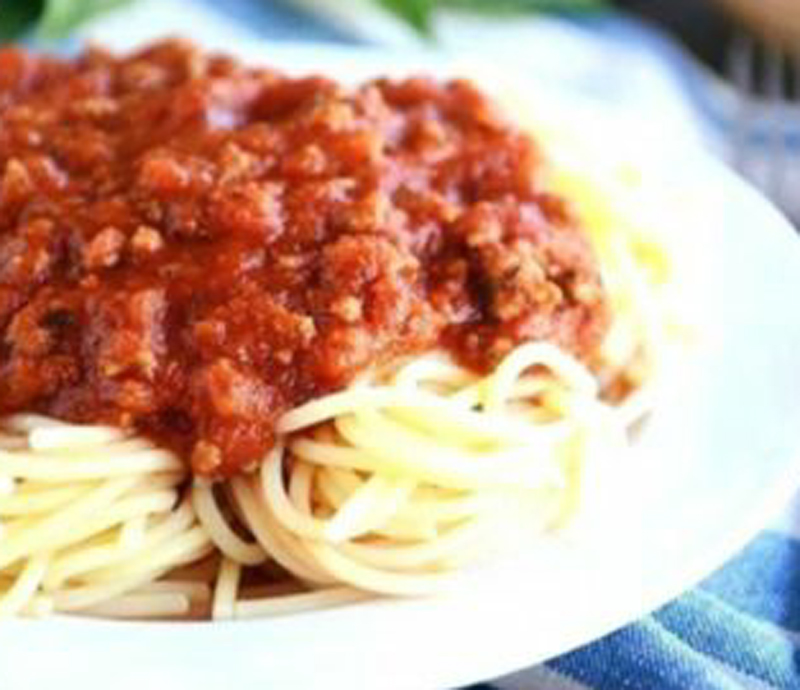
(392, 487)
(384, 488)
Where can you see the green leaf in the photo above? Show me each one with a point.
(52, 18)
(16, 16)
(60, 16)
(416, 12)
(497, 6)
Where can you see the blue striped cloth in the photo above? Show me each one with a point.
(738, 629)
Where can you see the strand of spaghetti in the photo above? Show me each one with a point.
(467, 397)
(187, 547)
(369, 506)
(456, 425)
(301, 487)
(470, 508)
(335, 484)
(639, 321)
(289, 540)
(406, 526)
(199, 595)
(433, 368)
(32, 487)
(81, 562)
(56, 530)
(132, 606)
(472, 396)
(330, 491)
(194, 590)
(415, 556)
(118, 510)
(347, 570)
(33, 466)
(230, 543)
(225, 591)
(73, 564)
(132, 532)
(260, 524)
(384, 445)
(169, 554)
(484, 427)
(113, 515)
(298, 603)
(24, 502)
(531, 386)
(33, 497)
(407, 531)
(72, 437)
(444, 441)
(369, 509)
(25, 586)
(271, 485)
(123, 447)
(158, 481)
(443, 509)
(301, 484)
(498, 387)
(458, 541)
(640, 292)
(330, 455)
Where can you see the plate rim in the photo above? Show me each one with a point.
(732, 540)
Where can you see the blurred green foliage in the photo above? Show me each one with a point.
(51, 18)
(419, 13)
(16, 16)
(55, 18)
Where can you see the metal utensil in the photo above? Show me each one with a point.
(766, 122)
(777, 21)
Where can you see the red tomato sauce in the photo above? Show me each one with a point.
(190, 247)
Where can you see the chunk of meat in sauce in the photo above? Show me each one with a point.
(190, 247)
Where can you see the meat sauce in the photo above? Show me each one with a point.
(189, 247)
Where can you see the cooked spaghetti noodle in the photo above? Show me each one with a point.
(390, 487)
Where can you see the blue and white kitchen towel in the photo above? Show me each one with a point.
(741, 627)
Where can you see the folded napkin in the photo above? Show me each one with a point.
(738, 629)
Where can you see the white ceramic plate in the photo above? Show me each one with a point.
(716, 461)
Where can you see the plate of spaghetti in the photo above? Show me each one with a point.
(327, 369)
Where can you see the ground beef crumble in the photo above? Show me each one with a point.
(189, 246)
